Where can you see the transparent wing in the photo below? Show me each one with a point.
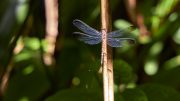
(119, 42)
(85, 28)
(122, 32)
(89, 39)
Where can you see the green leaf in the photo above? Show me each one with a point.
(76, 95)
(87, 78)
(165, 7)
(164, 76)
(29, 80)
(172, 63)
(29, 83)
(156, 92)
(22, 10)
(134, 94)
(122, 24)
(32, 43)
(118, 97)
(123, 72)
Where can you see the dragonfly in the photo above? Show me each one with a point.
(92, 37)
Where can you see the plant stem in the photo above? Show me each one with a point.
(137, 17)
(51, 7)
(107, 64)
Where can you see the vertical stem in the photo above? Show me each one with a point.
(51, 7)
(107, 64)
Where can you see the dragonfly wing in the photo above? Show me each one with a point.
(85, 28)
(119, 42)
(92, 40)
(122, 32)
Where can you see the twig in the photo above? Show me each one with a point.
(5, 79)
(107, 64)
(136, 17)
(7, 66)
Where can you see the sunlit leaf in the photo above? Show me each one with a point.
(172, 63)
(156, 48)
(151, 67)
(176, 36)
(165, 6)
(122, 24)
(22, 10)
(32, 43)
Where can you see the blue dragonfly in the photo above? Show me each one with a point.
(92, 36)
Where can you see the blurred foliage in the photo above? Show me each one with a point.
(146, 71)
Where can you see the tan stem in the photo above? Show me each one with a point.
(107, 65)
(51, 7)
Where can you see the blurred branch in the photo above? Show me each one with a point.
(12, 46)
(5, 78)
(142, 27)
(107, 64)
(136, 17)
(51, 7)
